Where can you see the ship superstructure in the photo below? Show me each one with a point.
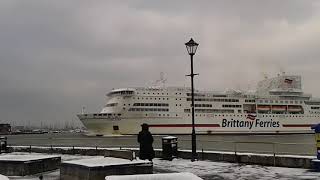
(278, 106)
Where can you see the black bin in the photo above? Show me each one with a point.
(169, 147)
(3, 144)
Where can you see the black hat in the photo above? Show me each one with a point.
(144, 125)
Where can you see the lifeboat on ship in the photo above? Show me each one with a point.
(263, 107)
(294, 109)
(279, 108)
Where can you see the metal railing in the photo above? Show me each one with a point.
(261, 147)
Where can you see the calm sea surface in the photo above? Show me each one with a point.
(297, 144)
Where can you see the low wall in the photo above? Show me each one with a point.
(124, 153)
(246, 158)
(258, 159)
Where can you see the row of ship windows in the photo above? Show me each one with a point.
(152, 98)
(280, 101)
(231, 105)
(215, 100)
(228, 100)
(239, 111)
(211, 110)
(188, 94)
(148, 109)
(187, 110)
(159, 93)
(156, 98)
(155, 109)
(121, 93)
(314, 112)
(166, 104)
(278, 112)
(208, 95)
(112, 104)
(263, 115)
(201, 99)
(226, 115)
(196, 99)
(207, 105)
(150, 104)
(104, 114)
(202, 105)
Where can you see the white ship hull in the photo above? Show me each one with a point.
(218, 125)
(276, 107)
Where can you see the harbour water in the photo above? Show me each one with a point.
(296, 144)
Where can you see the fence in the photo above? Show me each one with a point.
(258, 147)
(236, 156)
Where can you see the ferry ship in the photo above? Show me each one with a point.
(277, 106)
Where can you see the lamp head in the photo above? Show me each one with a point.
(191, 46)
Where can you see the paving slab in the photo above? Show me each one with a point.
(100, 167)
(2, 177)
(22, 165)
(163, 176)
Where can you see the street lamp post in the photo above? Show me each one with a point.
(192, 48)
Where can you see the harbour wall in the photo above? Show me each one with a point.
(292, 161)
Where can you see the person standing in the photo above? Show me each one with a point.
(145, 139)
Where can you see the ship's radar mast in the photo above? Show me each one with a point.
(83, 110)
(160, 83)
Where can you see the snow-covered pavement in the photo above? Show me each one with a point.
(230, 171)
(207, 170)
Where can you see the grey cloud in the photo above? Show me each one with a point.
(56, 57)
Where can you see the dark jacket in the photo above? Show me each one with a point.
(146, 150)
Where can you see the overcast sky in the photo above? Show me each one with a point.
(57, 56)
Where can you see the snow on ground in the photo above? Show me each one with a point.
(28, 157)
(229, 171)
(205, 169)
(162, 176)
(3, 177)
(104, 161)
(66, 147)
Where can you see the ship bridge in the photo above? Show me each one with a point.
(121, 92)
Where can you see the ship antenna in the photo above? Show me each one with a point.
(83, 110)
(162, 79)
(160, 82)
